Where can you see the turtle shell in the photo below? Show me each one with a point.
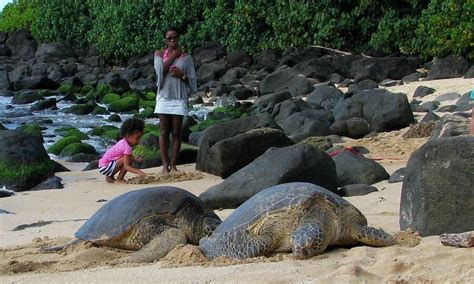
(120, 214)
(282, 196)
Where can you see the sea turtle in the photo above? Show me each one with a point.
(299, 217)
(151, 221)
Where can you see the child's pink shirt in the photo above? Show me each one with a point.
(117, 151)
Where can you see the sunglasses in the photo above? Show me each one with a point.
(171, 37)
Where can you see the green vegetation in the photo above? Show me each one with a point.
(426, 27)
(71, 131)
(12, 172)
(57, 147)
(69, 89)
(110, 98)
(146, 152)
(34, 130)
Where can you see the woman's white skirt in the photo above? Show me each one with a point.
(171, 106)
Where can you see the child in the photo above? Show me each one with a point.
(119, 157)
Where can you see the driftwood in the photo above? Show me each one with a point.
(463, 240)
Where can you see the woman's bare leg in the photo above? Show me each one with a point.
(176, 123)
(165, 129)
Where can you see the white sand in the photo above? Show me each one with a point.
(429, 261)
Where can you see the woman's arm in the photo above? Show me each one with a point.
(169, 61)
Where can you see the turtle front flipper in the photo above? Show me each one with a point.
(371, 236)
(308, 240)
(159, 246)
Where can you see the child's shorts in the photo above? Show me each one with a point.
(109, 169)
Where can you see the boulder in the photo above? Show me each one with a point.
(24, 162)
(448, 97)
(398, 175)
(384, 111)
(366, 84)
(288, 107)
(451, 125)
(243, 93)
(27, 97)
(378, 69)
(438, 188)
(268, 59)
(4, 50)
(268, 102)
(352, 168)
(469, 73)
(285, 79)
(4, 80)
(22, 44)
(356, 190)
(233, 74)
(319, 68)
(35, 83)
(301, 125)
(44, 104)
(56, 49)
(211, 71)
(239, 58)
(231, 154)
(462, 104)
(448, 67)
(423, 91)
(296, 163)
(117, 83)
(353, 127)
(207, 54)
(324, 97)
(220, 132)
(51, 183)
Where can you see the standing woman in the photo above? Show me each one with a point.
(176, 80)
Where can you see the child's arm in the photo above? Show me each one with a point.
(127, 163)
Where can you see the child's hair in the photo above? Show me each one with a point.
(171, 29)
(131, 125)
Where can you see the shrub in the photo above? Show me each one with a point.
(60, 20)
(446, 27)
(18, 15)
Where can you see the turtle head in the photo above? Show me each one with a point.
(210, 224)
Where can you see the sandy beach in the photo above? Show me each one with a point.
(41, 218)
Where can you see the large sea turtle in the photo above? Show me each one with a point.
(299, 217)
(151, 221)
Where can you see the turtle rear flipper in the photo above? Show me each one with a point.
(158, 247)
(371, 236)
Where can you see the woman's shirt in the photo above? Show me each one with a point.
(170, 87)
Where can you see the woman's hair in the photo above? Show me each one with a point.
(171, 29)
(131, 125)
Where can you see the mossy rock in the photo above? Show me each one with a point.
(114, 118)
(71, 131)
(34, 130)
(146, 153)
(112, 135)
(151, 128)
(48, 93)
(99, 131)
(57, 147)
(124, 104)
(150, 96)
(103, 89)
(81, 109)
(145, 136)
(20, 173)
(110, 98)
(147, 113)
(69, 89)
(86, 89)
(228, 111)
(100, 111)
(147, 104)
(76, 148)
(208, 122)
(131, 94)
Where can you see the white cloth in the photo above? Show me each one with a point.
(171, 106)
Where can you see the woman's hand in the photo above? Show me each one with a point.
(176, 72)
(159, 53)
